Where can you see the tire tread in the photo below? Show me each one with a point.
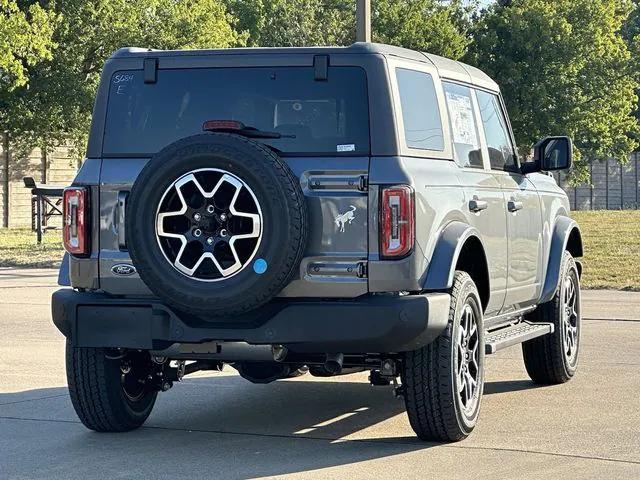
(90, 391)
(544, 357)
(428, 385)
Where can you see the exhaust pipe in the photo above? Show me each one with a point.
(333, 363)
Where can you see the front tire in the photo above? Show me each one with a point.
(553, 359)
(443, 381)
(104, 397)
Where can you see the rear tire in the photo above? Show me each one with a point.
(97, 393)
(442, 386)
(553, 359)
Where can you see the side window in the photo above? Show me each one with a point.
(501, 153)
(464, 131)
(420, 112)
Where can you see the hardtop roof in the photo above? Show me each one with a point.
(447, 68)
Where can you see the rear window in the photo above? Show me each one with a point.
(324, 117)
(420, 112)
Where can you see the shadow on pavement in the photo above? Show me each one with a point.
(218, 426)
(505, 386)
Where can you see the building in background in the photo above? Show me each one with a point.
(58, 167)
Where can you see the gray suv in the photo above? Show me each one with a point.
(320, 210)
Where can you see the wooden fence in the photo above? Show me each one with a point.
(613, 186)
(57, 167)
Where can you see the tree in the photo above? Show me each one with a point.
(428, 25)
(25, 39)
(57, 105)
(425, 25)
(631, 27)
(295, 23)
(564, 68)
(631, 34)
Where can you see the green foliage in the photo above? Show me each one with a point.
(25, 39)
(631, 27)
(564, 68)
(57, 105)
(631, 33)
(428, 25)
(295, 23)
(425, 25)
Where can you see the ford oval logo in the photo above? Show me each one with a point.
(123, 270)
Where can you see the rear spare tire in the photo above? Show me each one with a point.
(216, 224)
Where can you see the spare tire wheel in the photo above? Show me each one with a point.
(216, 224)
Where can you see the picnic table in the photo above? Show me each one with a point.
(46, 202)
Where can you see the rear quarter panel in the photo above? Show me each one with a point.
(439, 200)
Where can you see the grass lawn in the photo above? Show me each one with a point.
(18, 247)
(611, 240)
(612, 248)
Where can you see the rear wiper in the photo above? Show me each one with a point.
(239, 128)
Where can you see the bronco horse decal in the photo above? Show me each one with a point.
(344, 218)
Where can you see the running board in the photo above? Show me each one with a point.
(518, 333)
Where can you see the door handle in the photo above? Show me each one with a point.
(476, 205)
(514, 206)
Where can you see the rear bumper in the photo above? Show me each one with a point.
(371, 324)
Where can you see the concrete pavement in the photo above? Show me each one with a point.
(220, 426)
(611, 304)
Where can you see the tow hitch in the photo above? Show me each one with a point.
(386, 375)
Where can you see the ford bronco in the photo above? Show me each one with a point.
(328, 210)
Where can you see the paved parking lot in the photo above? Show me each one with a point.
(219, 426)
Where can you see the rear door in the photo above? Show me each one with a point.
(324, 121)
(483, 197)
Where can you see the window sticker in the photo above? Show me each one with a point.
(462, 122)
(346, 148)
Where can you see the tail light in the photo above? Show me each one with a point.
(397, 221)
(75, 232)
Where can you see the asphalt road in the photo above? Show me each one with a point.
(219, 426)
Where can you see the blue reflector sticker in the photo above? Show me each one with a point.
(260, 266)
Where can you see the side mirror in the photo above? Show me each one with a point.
(552, 153)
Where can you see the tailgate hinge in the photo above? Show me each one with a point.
(150, 70)
(363, 183)
(363, 269)
(120, 220)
